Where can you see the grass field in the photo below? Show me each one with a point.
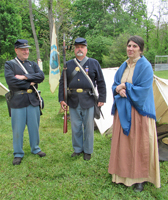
(58, 176)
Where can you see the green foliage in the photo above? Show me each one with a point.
(3, 58)
(108, 17)
(149, 28)
(101, 22)
(150, 55)
(58, 176)
(163, 40)
(88, 14)
(98, 46)
(14, 17)
(10, 28)
(117, 52)
(46, 66)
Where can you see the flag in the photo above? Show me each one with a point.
(54, 72)
(40, 64)
(3, 89)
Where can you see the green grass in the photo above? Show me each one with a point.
(58, 176)
(161, 74)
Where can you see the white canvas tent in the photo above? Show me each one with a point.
(105, 123)
(160, 89)
(3, 89)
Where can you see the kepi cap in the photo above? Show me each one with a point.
(21, 44)
(80, 41)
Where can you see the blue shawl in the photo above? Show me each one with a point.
(139, 93)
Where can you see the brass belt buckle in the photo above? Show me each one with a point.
(79, 90)
(29, 91)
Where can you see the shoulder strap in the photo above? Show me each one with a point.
(17, 62)
(91, 83)
(74, 71)
(87, 77)
(84, 61)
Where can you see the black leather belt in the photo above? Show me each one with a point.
(23, 91)
(78, 90)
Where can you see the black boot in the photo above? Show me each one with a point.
(138, 187)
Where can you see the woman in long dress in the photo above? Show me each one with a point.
(134, 150)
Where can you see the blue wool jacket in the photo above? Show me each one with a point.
(139, 93)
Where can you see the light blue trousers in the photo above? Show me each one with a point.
(20, 117)
(82, 125)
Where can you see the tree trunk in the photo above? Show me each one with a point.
(50, 17)
(33, 30)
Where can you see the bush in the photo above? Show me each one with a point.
(150, 55)
(3, 58)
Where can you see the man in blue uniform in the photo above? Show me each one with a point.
(24, 102)
(80, 100)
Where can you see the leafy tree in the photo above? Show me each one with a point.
(106, 24)
(117, 52)
(150, 55)
(33, 30)
(62, 12)
(88, 14)
(109, 19)
(98, 47)
(10, 28)
(21, 29)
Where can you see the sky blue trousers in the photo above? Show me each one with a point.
(20, 117)
(82, 125)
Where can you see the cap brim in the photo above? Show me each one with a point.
(81, 43)
(23, 47)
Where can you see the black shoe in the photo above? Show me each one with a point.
(17, 161)
(138, 187)
(41, 154)
(87, 156)
(76, 154)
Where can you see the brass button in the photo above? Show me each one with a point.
(77, 69)
(29, 91)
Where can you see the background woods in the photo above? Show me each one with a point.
(106, 24)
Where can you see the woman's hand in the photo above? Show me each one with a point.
(119, 87)
(122, 93)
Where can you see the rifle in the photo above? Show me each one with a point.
(65, 85)
(8, 97)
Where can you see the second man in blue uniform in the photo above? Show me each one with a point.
(80, 100)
